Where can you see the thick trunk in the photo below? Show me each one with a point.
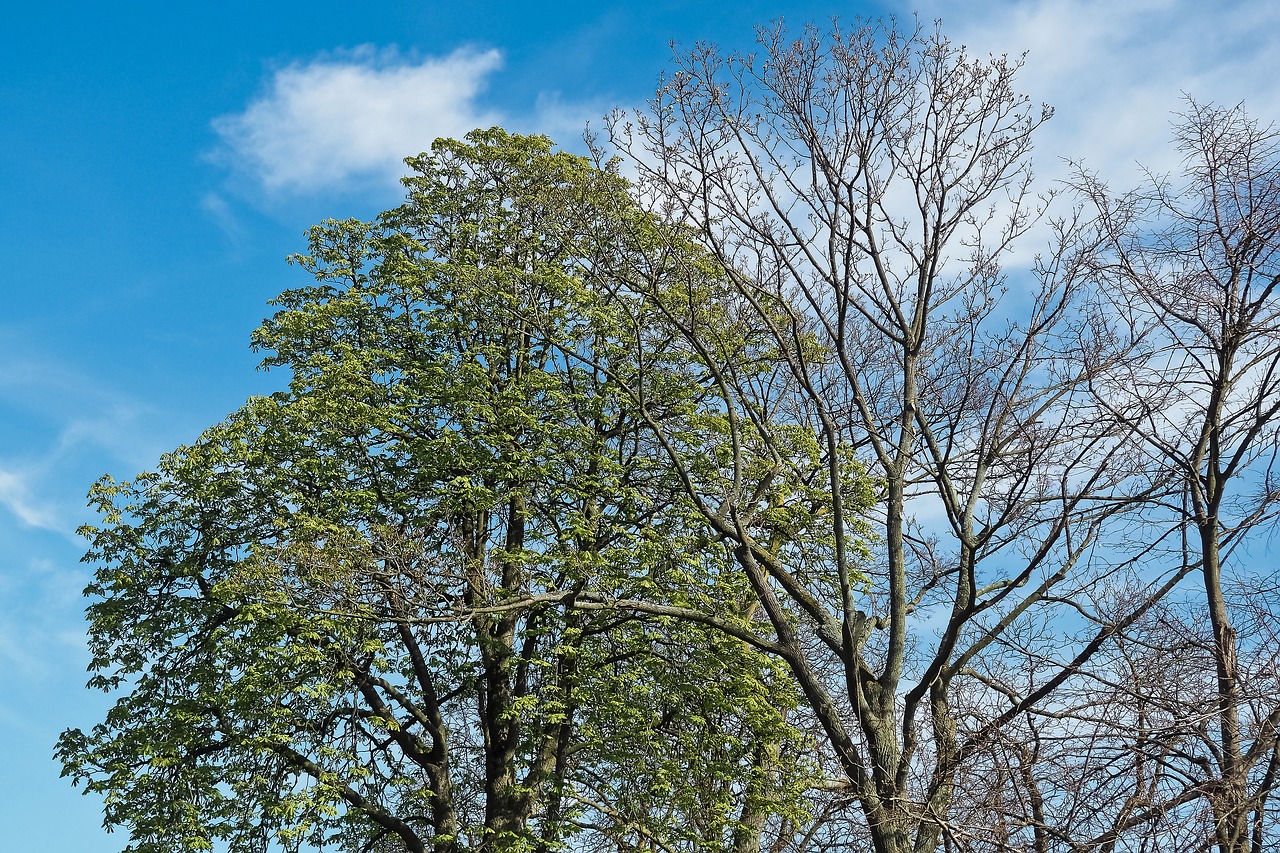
(1230, 800)
(444, 819)
(507, 803)
(748, 834)
(890, 819)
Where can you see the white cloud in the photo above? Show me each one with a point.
(352, 117)
(1116, 73)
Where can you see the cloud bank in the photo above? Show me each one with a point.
(353, 117)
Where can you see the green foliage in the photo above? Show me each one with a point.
(354, 613)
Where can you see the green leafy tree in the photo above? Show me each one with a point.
(442, 593)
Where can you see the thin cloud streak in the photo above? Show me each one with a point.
(16, 496)
(77, 426)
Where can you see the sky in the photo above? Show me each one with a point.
(159, 161)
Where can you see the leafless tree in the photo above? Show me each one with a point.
(1194, 261)
(863, 188)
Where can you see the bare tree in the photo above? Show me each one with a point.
(862, 189)
(1194, 261)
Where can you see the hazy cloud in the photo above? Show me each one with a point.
(565, 120)
(354, 116)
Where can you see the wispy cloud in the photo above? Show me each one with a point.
(354, 116)
(64, 428)
(217, 209)
(564, 119)
(16, 496)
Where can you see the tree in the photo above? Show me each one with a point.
(863, 189)
(372, 611)
(1193, 263)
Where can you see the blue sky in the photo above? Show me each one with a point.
(160, 160)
